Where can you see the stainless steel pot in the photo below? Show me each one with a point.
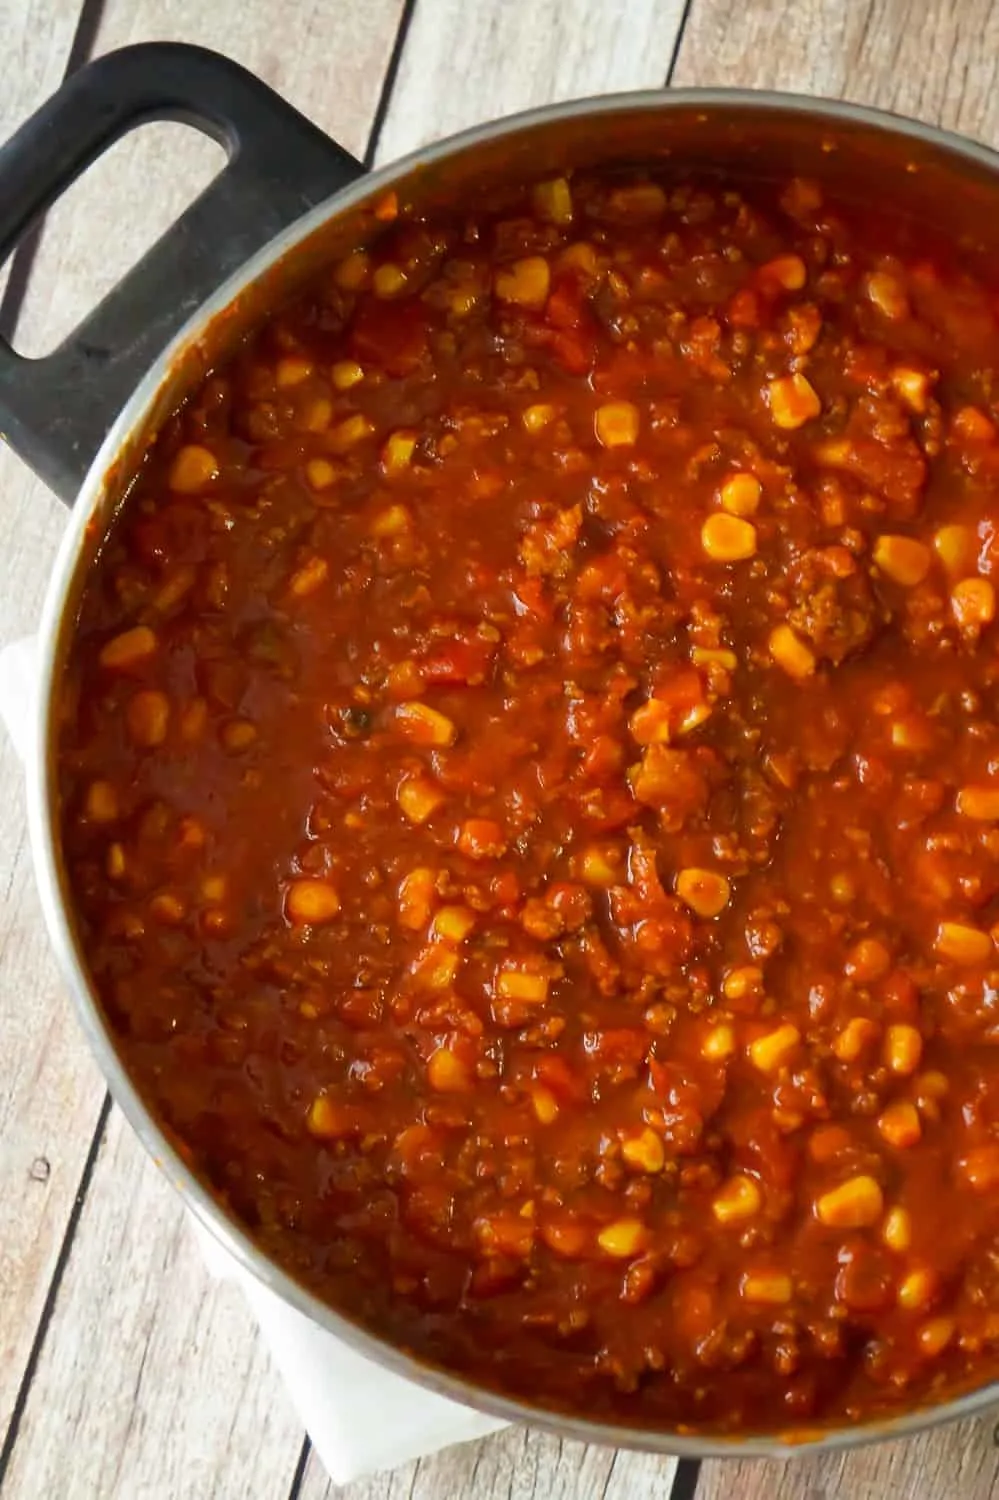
(289, 200)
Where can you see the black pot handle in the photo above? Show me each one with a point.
(56, 411)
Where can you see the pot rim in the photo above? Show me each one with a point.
(43, 822)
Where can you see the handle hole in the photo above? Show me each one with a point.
(105, 222)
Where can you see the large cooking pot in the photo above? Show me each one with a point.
(289, 200)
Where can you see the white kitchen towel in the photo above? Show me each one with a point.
(360, 1417)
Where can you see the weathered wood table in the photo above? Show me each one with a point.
(125, 1371)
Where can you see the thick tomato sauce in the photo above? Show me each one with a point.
(530, 788)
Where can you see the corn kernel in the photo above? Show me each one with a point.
(904, 560)
(419, 798)
(935, 1335)
(704, 891)
(580, 256)
(416, 895)
(434, 967)
(638, 200)
(858, 1032)
(319, 473)
(736, 1200)
(525, 283)
(787, 271)
(912, 387)
(645, 1152)
(973, 602)
(423, 725)
(238, 735)
(536, 417)
(771, 1288)
(316, 415)
(903, 1048)
(129, 649)
(447, 1074)
(896, 1231)
(326, 1119)
(148, 718)
(193, 469)
(481, 838)
(774, 1050)
(167, 908)
(917, 1290)
(292, 370)
(739, 983)
(957, 548)
(398, 451)
(348, 432)
(979, 802)
(888, 295)
(616, 424)
(718, 1044)
(309, 577)
(310, 902)
(899, 1124)
(389, 280)
(552, 201)
(727, 538)
(345, 374)
(973, 425)
(452, 924)
(623, 1238)
(544, 1104)
(793, 401)
(100, 805)
(789, 651)
(598, 867)
(393, 521)
(855, 1204)
(740, 494)
(352, 273)
(962, 944)
(518, 984)
(116, 863)
(867, 960)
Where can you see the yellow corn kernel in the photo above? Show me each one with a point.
(435, 967)
(714, 656)
(319, 473)
(193, 469)
(858, 1032)
(979, 802)
(739, 983)
(393, 521)
(719, 1043)
(650, 723)
(903, 1048)
(917, 1290)
(957, 548)
(788, 271)
(616, 424)
(740, 494)
(962, 944)
(167, 908)
(855, 1204)
(352, 273)
(638, 200)
(598, 867)
(904, 560)
(389, 280)
(310, 576)
(772, 1051)
(888, 295)
(129, 649)
(447, 1074)
(623, 1238)
(899, 1124)
(349, 432)
(973, 426)
(544, 1104)
(935, 1335)
(536, 417)
(912, 387)
(518, 984)
(115, 864)
(771, 1288)
(345, 374)
(728, 538)
(214, 888)
(452, 924)
(525, 283)
(148, 718)
(644, 1152)
(238, 735)
(704, 891)
(973, 602)
(310, 902)
(398, 451)
(789, 651)
(552, 201)
(580, 256)
(316, 415)
(326, 1119)
(423, 725)
(292, 370)
(100, 805)
(896, 1232)
(416, 896)
(736, 1200)
(419, 798)
(793, 401)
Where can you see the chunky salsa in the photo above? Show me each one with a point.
(529, 765)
